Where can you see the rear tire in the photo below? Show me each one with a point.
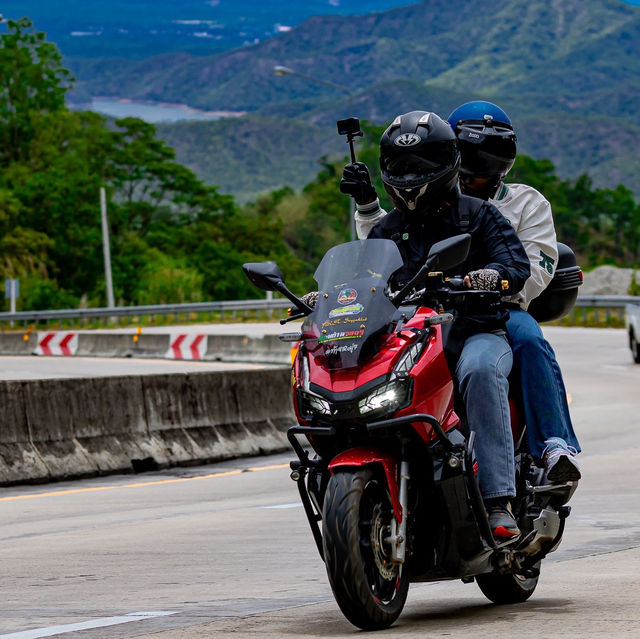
(507, 589)
(370, 590)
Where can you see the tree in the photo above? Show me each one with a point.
(32, 81)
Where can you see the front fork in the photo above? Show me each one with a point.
(398, 537)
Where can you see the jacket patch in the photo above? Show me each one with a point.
(547, 262)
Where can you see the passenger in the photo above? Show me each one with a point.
(485, 161)
(419, 160)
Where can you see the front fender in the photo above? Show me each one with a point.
(369, 456)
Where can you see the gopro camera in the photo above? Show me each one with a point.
(350, 127)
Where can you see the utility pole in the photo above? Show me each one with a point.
(106, 248)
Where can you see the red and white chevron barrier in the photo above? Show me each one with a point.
(186, 346)
(62, 343)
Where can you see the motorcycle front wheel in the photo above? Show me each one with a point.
(369, 588)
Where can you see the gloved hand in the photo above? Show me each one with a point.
(356, 181)
(485, 279)
(310, 299)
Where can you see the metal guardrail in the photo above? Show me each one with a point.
(607, 301)
(151, 310)
(260, 305)
(602, 303)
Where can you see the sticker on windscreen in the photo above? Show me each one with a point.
(347, 296)
(353, 309)
(339, 335)
(334, 350)
(345, 320)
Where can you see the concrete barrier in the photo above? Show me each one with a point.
(266, 349)
(242, 348)
(66, 428)
(97, 344)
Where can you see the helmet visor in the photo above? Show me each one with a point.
(486, 151)
(409, 171)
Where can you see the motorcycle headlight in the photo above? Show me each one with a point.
(315, 404)
(386, 398)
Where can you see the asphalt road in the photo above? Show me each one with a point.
(224, 550)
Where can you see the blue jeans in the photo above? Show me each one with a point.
(544, 397)
(482, 372)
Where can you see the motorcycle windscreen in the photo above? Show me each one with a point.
(352, 304)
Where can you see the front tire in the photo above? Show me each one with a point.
(370, 590)
(507, 589)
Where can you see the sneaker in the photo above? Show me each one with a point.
(560, 463)
(501, 520)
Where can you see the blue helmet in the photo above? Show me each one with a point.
(486, 140)
(478, 110)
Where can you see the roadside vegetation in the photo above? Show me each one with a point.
(173, 237)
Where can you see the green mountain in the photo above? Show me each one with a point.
(567, 72)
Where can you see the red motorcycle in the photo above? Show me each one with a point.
(393, 478)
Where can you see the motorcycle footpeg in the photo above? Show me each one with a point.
(551, 488)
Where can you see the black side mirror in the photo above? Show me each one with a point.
(443, 256)
(268, 277)
(448, 253)
(264, 275)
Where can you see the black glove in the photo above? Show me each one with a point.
(357, 183)
(485, 279)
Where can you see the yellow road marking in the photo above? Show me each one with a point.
(75, 491)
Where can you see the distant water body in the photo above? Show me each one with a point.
(154, 112)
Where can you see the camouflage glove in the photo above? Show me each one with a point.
(310, 299)
(356, 181)
(485, 279)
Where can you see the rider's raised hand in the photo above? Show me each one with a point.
(356, 181)
(485, 279)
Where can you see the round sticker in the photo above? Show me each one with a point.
(347, 296)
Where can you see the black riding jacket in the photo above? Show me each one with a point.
(494, 243)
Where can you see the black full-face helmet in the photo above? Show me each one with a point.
(486, 140)
(419, 161)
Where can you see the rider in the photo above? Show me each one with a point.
(419, 161)
(488, 149)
